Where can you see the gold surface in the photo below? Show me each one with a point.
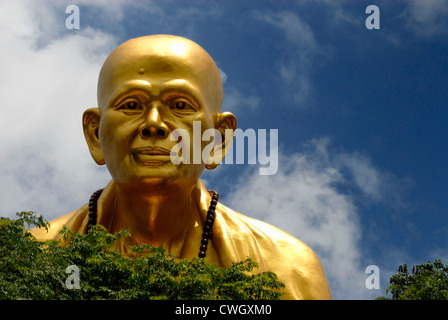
(149, 87)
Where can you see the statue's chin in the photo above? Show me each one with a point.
(159, 174)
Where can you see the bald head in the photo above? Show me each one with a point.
(164, 57)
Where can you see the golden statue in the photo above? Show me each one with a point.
(149, 87)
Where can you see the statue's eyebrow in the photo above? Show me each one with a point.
(183, 86)
(133, 85)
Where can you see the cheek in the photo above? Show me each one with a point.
(115, 137)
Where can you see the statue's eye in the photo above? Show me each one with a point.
(182, 106)
(130, 106)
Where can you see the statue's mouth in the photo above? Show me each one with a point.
(152, 151)
(152, 156)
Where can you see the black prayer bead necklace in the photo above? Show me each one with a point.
(208, 225)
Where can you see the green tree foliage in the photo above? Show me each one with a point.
(36, 270)
(428, 281)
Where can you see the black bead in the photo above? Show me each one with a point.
(208, 223)
(93, 208)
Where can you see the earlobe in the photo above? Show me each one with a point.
(226, 125)
(91, 124)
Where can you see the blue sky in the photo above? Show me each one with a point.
(361, 117)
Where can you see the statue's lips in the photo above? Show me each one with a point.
(152, 155)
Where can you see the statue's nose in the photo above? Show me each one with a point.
(154, 125)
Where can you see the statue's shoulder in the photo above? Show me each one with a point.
(295, 263)
(41, 234)
(280, 241)
(266, 232)
(56, 225)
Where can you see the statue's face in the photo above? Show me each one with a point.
(147, 89)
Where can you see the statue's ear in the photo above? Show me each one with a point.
(91, 124)
(226, 125)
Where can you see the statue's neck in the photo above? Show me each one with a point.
(158, 215)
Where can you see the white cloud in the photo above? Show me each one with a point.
(374, 183)
(296, 67)
(296, 30)
(427, 18)
(223, 76)
(305, 199)
(235, 101)
(47, 83)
